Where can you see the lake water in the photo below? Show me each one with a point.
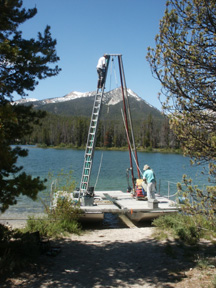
(168, 168)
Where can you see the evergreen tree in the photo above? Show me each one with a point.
(22, 63)
(185, 63)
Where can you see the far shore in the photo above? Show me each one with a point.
(139, 149)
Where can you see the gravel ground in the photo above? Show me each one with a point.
(126, 257)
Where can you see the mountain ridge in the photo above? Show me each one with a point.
(81, 103)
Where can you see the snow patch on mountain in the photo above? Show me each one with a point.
(71, 96)
(112, 97)
(131, 93)
(24, 100)
(115, 96)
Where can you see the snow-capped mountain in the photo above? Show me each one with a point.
(24, 100)
(110, 98)
(81, 104)
(113, 97)
(71, 96)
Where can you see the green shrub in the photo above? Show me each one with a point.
(58, 222)
(63, 218)
(187, 228)
(189, 234)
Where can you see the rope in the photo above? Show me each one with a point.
(172, 182)
(115, 75)
(114, 70)
(111, 73)
(99, 170)
(168, 196)
(134, 158)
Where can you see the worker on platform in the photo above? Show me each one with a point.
(101, 70)
(150, 180)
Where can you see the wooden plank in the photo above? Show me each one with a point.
(127, 221)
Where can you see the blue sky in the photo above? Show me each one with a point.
(85, 30)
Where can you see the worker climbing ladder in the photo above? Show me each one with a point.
(85, 191)
(89, 152)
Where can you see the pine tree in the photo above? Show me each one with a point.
(22, 63)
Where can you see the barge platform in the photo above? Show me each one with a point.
(123, 203)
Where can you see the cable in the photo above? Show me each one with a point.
(99, 170)
(114, 70)
(115, 74)
(134, 158)
(112, 60)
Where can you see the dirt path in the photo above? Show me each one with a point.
(111, 258)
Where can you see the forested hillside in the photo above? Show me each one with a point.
(72, 131)
(68, 119)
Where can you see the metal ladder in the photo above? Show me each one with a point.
(91, 140)
(89, 152)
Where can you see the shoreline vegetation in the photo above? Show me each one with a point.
(139, 149)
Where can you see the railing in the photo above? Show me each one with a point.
(161, 188)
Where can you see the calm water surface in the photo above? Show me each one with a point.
(167, 167)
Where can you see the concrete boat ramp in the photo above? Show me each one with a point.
(122, 203)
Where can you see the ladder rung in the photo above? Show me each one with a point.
(90, 142)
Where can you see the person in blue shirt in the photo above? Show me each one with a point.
(150, 180)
